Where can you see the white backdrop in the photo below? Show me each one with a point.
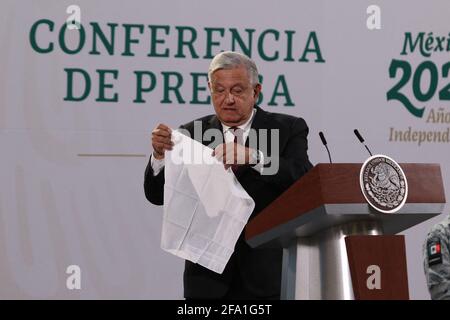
(72, 171)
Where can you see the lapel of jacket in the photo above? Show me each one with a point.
(260, 122)
(215, 124)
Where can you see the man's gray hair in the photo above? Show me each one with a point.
(229, 60)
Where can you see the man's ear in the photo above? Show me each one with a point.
(209, 86)
(256, 90)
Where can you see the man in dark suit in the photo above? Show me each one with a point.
(233, 82)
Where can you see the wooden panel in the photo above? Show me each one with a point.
(424, 182)
(339, 184)
(365, 255)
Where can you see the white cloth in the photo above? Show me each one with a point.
(205, 207)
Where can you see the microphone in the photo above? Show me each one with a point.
(324, 142)
(360, 138)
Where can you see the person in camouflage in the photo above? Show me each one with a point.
(436, 262)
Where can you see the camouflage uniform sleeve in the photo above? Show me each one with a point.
(437, 264)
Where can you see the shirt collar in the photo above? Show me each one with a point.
(245, 126)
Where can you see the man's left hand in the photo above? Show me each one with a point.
(232, 153)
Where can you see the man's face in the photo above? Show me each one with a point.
(233, 95)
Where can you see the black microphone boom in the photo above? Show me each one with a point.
(360, 138)
(322, 137)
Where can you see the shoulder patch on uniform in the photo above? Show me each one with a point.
(434, 251)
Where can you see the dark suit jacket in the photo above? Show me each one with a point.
(259, 269)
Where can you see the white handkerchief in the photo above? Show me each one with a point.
(205, 207)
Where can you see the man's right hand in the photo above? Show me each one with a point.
(161, 140)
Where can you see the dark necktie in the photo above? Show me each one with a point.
(238, 139)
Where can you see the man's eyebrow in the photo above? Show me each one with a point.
(242, 84)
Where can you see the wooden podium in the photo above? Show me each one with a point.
(336, 246)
